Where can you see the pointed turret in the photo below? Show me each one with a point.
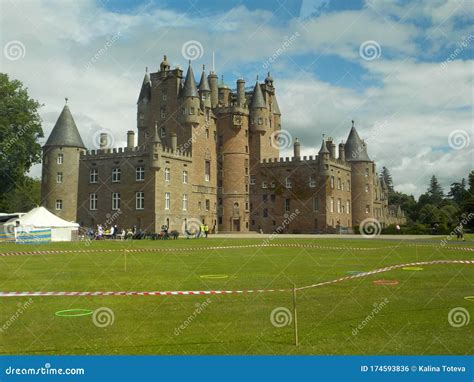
(155, 149)
(65, 131)
(156, 134)
(164, 66)
(145, 91)
(189, 88)
(324, 148)
(276, 108)
(204, 84)
(257, 98)
(269, 79)
(355, 148)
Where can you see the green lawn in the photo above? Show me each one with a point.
(413, 321)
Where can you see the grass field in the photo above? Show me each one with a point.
(411, 318)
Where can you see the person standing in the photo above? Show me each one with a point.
(206, 230)
(398, 229)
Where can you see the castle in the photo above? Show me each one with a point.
(207, 153)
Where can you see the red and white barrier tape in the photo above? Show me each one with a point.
(186, 249)
(214, 292)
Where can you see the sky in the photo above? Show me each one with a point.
(402, 70)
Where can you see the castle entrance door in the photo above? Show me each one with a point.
(236, 225)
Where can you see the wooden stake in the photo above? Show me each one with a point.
(295, 316)
(125, 256)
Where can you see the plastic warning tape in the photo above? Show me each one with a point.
(216, 292)
(202, 248)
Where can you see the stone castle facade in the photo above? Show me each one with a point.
(206, 153)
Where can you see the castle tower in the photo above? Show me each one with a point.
(60, 168)
(233, 129)
(204, 90)
(362, 177)
(189, 97)
(143, 102)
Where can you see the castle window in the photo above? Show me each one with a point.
(246, 188)
(367, 208)
(115, 201)
(272, 185)
(288, 183)
(342, 186)
(253, 180)
(163, 113)
(140, 174)
(260, 120)
(246, 132)
(332, 182)
(273, 198)
(162, 132)
(185, 202)
(247, 149)
(60, 159)
(93, 175)
(184, 111)
(167, 200)
(116, 174)
(338, 206)
(315, 204)
(164, 97)
(366, 172)
(246, 170)
(366, 188)
(93, 201)
(207, 133)
(339, 183)
(264, 184)
(140, 200)
(348, 185)
(207, 173)
(199, 206)
(331, 205)
(185, 177)
(167, 174)
(312, 182)
(265, 212)
(348, 205)
(287, 205)
(208, 204)
(246, 206)
(207, 115)
(191, 111)
(59, 177)
(59, 204)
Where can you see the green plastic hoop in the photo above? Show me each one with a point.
(74, 312)
(469, 298)
(212, 277)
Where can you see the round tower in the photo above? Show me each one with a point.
(60, 167)
(362, 177)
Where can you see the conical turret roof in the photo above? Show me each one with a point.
(156, 134)
(145, 91)
(276, 108)
(204, 83)
(257, 97)
(355, 149)
(189, 88)
(323, 149)
(65, 131)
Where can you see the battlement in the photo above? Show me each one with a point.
(121, 152)
(305, 159)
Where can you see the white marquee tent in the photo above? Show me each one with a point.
(40, 218)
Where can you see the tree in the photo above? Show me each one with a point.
(25, 196)
(387, 178)
(20, 128)
(458, 192)
(435, 192)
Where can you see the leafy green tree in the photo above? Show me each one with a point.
(20, 128)
(25, 196)
(458, 192)
(387, 177)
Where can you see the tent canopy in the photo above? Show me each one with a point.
(41, 217)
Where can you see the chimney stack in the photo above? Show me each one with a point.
(342, 152)
(103, 141)
(241, 92)
(174, 142)
(297, 149)
(130, 139)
